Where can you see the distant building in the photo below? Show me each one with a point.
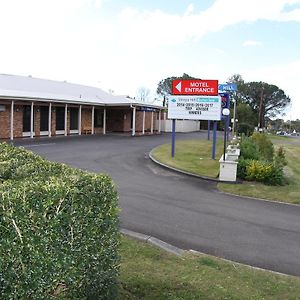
(32, 107)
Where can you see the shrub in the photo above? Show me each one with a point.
(245, 128)
(249, 149)
(264, 144)
(58, 231)
(242, 167)
(264, 172)
(280, 159)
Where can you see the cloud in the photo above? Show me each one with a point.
(251, 43)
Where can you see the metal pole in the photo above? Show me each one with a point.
(133, 121)
(173, 137)
(104, 121)
(234, 112)
(225, 135)
(12, 120)
(208, 130)
(214, 140)
(50, 119)
(31, 120)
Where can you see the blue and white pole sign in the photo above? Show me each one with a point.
(227, 87)
(194, 107)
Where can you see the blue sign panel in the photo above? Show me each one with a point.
(227, 87)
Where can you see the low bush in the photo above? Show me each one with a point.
(280, 159)
(242, 167)
(249, 150)
(264, 144)
(264, 172)
(58, 230)
(245, 128)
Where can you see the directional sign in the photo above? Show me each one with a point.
(195, 87)
(194, 108)
(228, 87)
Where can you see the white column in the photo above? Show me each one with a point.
(104, 121)
(31, 121)
(152, 114)
(159, 121)
(144, 117)
(79, 119)
(12, 121)
(49, 119)
(133, 121)
(66, 119)
(93, 119)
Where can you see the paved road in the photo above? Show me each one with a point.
(187, 212)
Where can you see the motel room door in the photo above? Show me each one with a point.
(26, 120)
(74, 113)
(44, 120)
(60, 120)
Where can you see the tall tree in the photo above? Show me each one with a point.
(266, 100)
(164, 87)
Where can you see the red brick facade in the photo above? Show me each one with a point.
(117, 119)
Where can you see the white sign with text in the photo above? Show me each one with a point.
(194, 107)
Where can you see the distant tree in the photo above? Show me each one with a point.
(266, 100)
(143, 94)
(164, 87)
(245, 114)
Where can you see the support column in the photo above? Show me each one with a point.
(133, 121)
(159, 121)
(66, 119)
(31, 121)
(152, 114)
(12, 120)
(49, 119)
(104, 121)
(93, 119)
(144, 117)
(79, 119)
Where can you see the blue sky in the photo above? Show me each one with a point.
(124, 45)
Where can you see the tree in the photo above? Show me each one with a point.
(164, 87)
(266, 100)
(143, 93)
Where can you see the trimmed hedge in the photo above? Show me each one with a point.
(58, 230)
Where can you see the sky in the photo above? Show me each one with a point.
(121, 46)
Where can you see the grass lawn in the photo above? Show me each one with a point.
(148, 272)
(290, 192)
(193, 156)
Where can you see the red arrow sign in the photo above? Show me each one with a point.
(195, 87)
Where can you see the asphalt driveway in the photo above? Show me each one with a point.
(187, 212)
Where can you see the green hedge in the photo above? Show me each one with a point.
(58, 230)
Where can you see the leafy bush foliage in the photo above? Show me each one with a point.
(280, 159)
(257, 161)
(264, 172)
(58, 230)
(245, 128)
(264, 144)
(249, 150)
(242, 167)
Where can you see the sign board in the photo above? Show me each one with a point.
(228, 87)
(195, 87)
(143, 108)
(194, 107)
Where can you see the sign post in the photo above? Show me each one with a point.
(194, 99)
(173, 137)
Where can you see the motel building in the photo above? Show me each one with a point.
(32, 107)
